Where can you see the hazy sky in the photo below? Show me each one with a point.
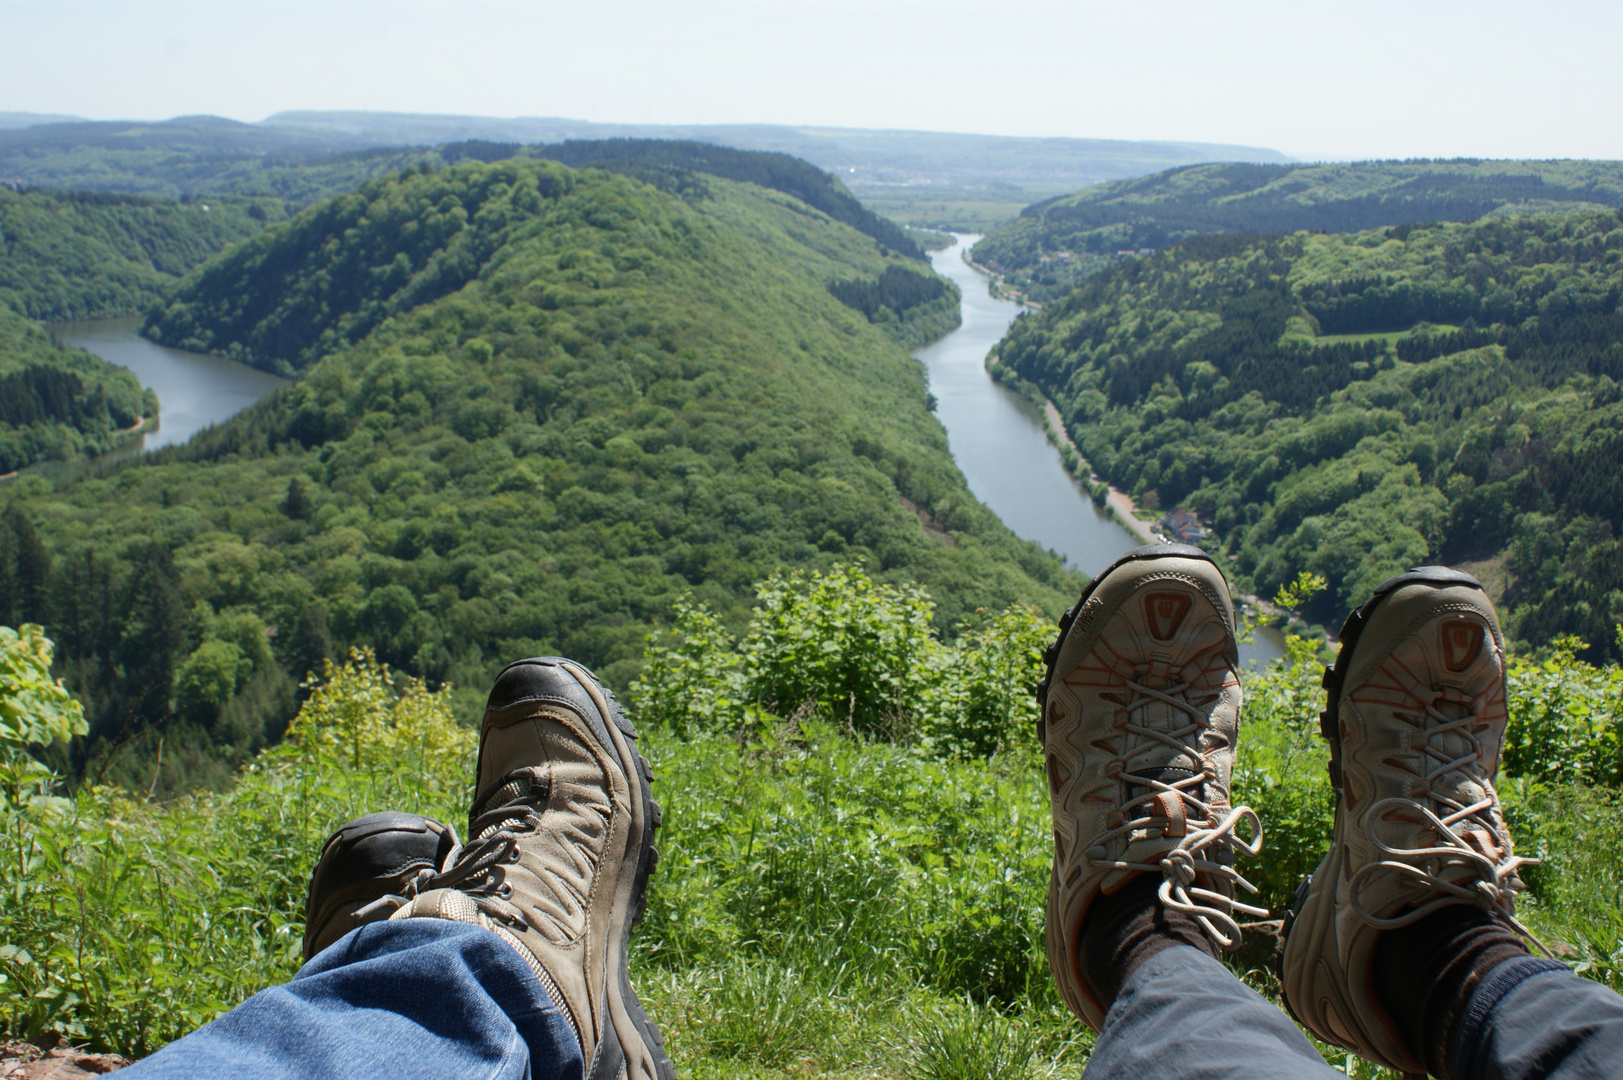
(1343, 79)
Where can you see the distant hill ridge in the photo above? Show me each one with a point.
(780, 172)
(1055, 243)
(211, 155)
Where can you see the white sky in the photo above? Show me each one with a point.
(1315, 79)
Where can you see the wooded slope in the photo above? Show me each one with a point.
(1355, 404)
(610, 394)
(81, 255)
(1055, 243)
(57, 403)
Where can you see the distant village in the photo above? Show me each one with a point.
(1182, 526)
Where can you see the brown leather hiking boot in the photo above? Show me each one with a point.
(1415, 718)
(559, 852)
(365, 862)
(1140, 712)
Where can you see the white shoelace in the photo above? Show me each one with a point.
(1193, 854)
(1495, 883)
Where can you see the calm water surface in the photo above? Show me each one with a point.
(193, 390)
(1000, 442)
(996, 436)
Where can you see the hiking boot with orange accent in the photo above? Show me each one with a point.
(364, 863)
(1140, 709)
(1415, 718)
(559, 853)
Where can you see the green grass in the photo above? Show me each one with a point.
(825, 905)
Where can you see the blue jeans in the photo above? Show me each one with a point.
(394, 1000)
(429, 998)
(1183, 1016)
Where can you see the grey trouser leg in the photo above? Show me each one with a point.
(1533, 1018)
(1184, 1016)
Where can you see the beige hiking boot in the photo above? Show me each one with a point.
(559, 853)
(1415, 718)
(1140, 709)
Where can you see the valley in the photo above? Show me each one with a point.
(414, 396)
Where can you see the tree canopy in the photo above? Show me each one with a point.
(1355, 404)
(600, 396)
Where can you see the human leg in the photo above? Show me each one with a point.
(1182, 1015)
(391, 1000)
(1140, 714)
(1403, 945)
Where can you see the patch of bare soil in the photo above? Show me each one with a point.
(25, 1061)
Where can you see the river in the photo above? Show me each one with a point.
(997, 437)
(1000, 441)
(193, 390)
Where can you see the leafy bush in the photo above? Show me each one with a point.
(856, 652)
(1565, 717)
(35, 710)
(827, 901)
(128, 923)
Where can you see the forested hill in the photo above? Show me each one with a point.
(628, 393)
(1359, 403)
(58, 403)
(780, 172)
(77, 255)
(1052, 244)
(292, 295)
(185, 156)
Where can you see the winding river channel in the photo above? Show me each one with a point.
(1000, 441)
(997, 437)
(194, 390)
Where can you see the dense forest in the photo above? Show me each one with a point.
(81, 254)
(1053, 244)
(290, 296)
(916, 308)
(1355, 404)
(601, 394)
(59, 404)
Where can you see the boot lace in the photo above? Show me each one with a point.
(1493, 882)
(494, 841)
(1206, 840)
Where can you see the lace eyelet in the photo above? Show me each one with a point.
(506, 891)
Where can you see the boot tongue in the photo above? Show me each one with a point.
(1166, 774)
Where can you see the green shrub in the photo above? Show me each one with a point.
(860, 654)
(1565, 717)
(128, 923)
(826, 901)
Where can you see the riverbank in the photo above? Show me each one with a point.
(128, 439)
(997, 286)
(1119, 502)
(1114, 499)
